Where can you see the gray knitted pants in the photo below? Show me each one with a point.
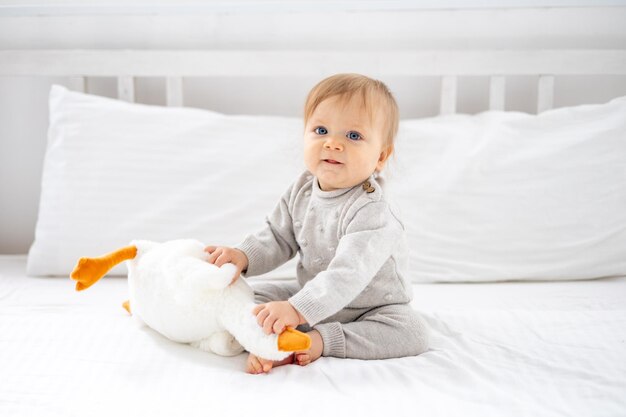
(388, 331)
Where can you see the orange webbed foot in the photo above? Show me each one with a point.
(292, 340)
(87, 272)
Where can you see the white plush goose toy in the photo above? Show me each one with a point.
(175, 291)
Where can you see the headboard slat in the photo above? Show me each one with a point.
(126, 88)
(497, 91)
(545, 93)
(174, 91)
(447, 103)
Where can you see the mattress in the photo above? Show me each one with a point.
(497, 349)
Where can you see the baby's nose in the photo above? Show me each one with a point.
(333, 144)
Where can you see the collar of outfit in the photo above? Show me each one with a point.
(365, 185)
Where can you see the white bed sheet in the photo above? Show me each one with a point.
(499, 349)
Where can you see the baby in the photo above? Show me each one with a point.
(352, 293)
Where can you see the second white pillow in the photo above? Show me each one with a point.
(513, 196)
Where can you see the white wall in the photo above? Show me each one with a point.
(23, 106)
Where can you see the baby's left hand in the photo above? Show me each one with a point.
(276, 315)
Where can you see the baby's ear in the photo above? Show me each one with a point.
(382, 159)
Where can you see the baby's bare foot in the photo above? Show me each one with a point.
(305, 357)
(256, 365)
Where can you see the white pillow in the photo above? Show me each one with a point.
(117, 171)
(512, 196)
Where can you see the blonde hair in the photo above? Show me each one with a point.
(375, 97)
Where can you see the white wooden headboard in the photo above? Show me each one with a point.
(175, 65)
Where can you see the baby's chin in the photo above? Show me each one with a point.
(328, 184)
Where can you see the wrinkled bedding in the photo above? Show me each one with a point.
(514, 349)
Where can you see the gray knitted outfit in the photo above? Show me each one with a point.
(351, 278)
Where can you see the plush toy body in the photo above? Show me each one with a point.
(175, 291)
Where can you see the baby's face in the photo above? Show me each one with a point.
(342, 147)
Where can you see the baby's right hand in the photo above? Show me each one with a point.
(220, 255)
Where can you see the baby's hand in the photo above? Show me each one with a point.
(276, 315)
(220, 255)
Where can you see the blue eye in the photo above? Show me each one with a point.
(352, 135)
(321, 130)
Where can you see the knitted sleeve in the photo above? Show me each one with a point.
(274, 244)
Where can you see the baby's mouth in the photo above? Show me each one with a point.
(332, 161)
